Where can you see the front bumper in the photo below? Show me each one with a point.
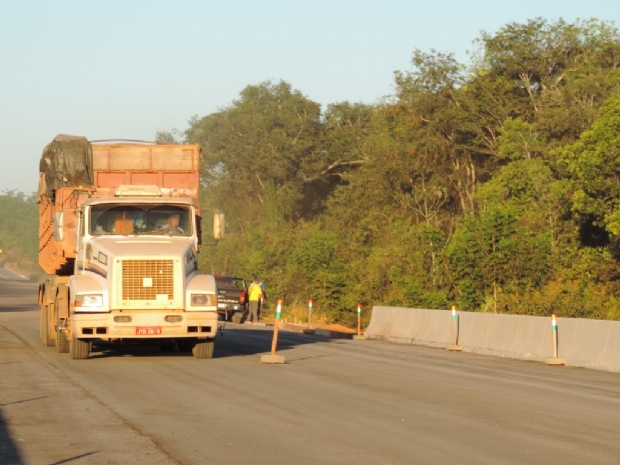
(147, 324)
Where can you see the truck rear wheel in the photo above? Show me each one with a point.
(62, 341)
(204, 348)
(51, 321)
(48, 332)
(43, 324)
(80, 348)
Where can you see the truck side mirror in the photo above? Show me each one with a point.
(59, 226)
(219, 224)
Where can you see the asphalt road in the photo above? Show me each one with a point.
(333, 402)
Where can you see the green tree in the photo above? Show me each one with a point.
(346, 131)
(19, 226)
(430, 110)
(259, 152)
(594, 163)
(552, 74)
(517, 140)
(490, 255)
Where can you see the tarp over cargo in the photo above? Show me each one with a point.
(66, 162)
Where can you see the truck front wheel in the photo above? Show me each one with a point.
(80, 348)
(204, 348)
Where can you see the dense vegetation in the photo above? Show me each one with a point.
(492, 185)
(19, 227)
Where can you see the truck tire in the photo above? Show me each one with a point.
(51, 321)
(62, 341)
(204, 348)
(43, 325)
(48, 332)
(80, 348)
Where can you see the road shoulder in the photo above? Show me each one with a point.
(46, 418)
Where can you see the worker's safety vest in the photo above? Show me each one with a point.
(255, 292)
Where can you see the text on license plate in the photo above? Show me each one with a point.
(148, 330)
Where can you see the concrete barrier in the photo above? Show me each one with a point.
(590, 343)
(581, 342)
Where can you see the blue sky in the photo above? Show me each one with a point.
(127, 68)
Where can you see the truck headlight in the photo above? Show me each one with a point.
(203, 300)
(89, 300)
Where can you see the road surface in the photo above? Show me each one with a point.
(333, 402)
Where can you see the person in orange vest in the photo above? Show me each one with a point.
(255, 294)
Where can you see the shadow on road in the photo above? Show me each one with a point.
(9, 453)
(18, 296)
(236, 341)
(17, 308)
(22, 401)
(71, 459)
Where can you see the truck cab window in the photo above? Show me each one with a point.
(140, 219)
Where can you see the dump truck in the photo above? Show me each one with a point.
(119, 232)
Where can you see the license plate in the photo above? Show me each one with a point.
(148, 330)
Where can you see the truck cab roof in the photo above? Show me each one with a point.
(142, 200)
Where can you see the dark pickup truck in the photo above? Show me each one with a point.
(232, 298)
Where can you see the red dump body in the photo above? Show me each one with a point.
(173, 168)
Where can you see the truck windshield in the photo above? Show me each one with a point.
(140, 219)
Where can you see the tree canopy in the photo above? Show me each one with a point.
(491, 185)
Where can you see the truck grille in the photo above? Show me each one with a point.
(147, 279)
